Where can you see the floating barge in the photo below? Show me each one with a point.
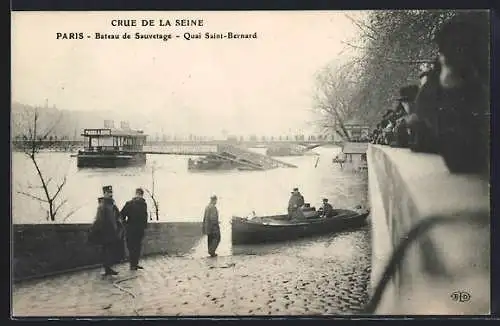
(228, 157)
(110, 148)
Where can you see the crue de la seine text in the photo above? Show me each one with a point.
(160, 22)
(128, 34)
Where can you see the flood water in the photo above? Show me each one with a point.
(183, 195)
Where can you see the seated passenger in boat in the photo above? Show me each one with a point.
(327, 209)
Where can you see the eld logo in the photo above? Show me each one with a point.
(460, 296)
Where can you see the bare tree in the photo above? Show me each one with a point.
(391, 47)
(152, 194)
(32, 146)
(334, 90)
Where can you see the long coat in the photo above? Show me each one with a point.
(211, 220)
(296, 201)
(135, 216)
(107, 227)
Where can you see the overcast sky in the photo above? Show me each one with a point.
(261, 85)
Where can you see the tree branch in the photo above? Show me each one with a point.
(42, 180)
(409, 61)
(71, 213)
(362, 27)
(353, 46)
(32, 196)
(59, 206)
(59, 188)
(358, 47)
(33, 138)
(155, 203)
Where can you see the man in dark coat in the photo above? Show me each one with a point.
(295, 202)
(423, 121)
(211, 226)
(107, 231)
(407, 95)
(327, 209)
(135, 217)
(403, 111)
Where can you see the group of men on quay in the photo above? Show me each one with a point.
(447, 112)
(112, 228)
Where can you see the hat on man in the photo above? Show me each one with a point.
(139, 191)
(213, 197)
(106, 189)
(325, 200)
(295, 189)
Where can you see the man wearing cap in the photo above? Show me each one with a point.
(108, 231)
(423, 121)
(211, 226)
(295, 202)
(327, 208)
(407, 95)
(135, 217)
(406, 98)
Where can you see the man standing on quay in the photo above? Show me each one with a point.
(108, 231)
(211, 226)
(135, 217)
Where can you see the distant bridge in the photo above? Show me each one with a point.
(247, 143)
(73, 145)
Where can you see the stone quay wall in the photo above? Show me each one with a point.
(44, 249)
(447, 269)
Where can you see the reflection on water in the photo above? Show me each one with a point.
(183, 195)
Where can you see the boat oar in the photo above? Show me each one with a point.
(317, 160)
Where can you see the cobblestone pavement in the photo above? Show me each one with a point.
(296, 281)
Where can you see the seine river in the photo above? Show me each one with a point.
(182, 195)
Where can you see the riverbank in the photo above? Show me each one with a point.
(47, 249)
(305, 279)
